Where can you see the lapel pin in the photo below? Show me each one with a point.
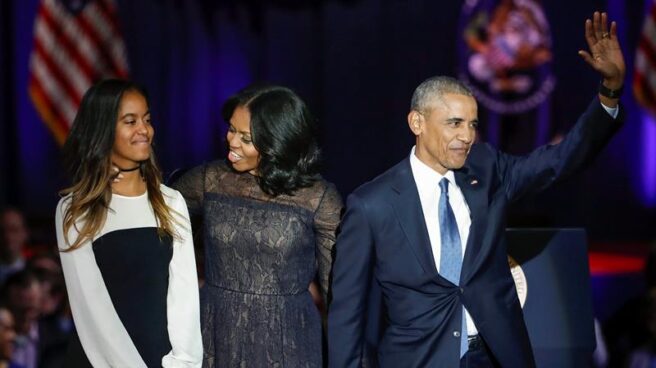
(474, 182)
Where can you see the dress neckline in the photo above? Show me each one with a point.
(144, 194)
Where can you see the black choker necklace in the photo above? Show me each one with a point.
(120, 169)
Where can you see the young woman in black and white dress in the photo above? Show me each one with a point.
(126, 246)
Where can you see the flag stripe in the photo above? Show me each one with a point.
(109, 6)
(63, 56)
(48, 112)
(70, 40)
(114, 52)
(54, 72)
(104, 60)
(70, 52)
(647, 52)
(82, 41)
(52, 89)
(644, 76)
(645, 79)
(644, 91)
(108, 13)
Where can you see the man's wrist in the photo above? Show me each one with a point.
(612, 90)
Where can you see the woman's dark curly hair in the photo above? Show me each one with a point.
(285, 135)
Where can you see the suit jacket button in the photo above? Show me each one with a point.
(456, 333)
(462, 290)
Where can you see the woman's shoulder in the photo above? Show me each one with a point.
(330, 192)
(217, 168)
(170, 195)
(63, 203)
(175, 200)
(64, 199)
(322, 185)
(318, 192)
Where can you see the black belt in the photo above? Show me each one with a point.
(474, 342)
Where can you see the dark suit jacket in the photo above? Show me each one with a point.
(384, 244)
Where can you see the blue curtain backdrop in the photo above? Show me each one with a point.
(356, 62)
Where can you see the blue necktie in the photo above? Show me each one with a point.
(451, 251)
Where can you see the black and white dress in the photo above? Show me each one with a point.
(134, 294)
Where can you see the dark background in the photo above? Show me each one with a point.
(356, 63)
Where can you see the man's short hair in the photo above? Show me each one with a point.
(433, 88)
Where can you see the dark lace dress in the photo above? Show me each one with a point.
(261, 253)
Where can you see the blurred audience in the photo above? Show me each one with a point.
(37, 299)
(47, 269)
(56, 321)
(644, 355)
(22, 294)
(13, 241)
(7, 339)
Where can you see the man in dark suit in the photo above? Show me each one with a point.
(428, 234)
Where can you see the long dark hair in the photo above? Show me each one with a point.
(87, 154)
(284, 132)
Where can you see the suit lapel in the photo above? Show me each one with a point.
(474, 191)
(407, 206)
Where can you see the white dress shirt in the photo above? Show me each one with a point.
(427, 181)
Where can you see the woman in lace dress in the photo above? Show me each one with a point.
(269, 227)
(126, 247)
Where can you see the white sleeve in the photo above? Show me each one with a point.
(183, 307)
(104, 339)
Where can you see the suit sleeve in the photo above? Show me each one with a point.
(183, 310)
(352, 275)
(550, 163)
(104, 339)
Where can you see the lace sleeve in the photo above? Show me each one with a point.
(192, 187)
(326, 220)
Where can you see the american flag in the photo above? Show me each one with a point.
(644, 77)
(76, 43)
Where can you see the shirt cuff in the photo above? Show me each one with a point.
(612, 111)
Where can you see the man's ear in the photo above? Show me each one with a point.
(415, 122)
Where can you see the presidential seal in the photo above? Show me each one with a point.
(505, 53)
(520, 280)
